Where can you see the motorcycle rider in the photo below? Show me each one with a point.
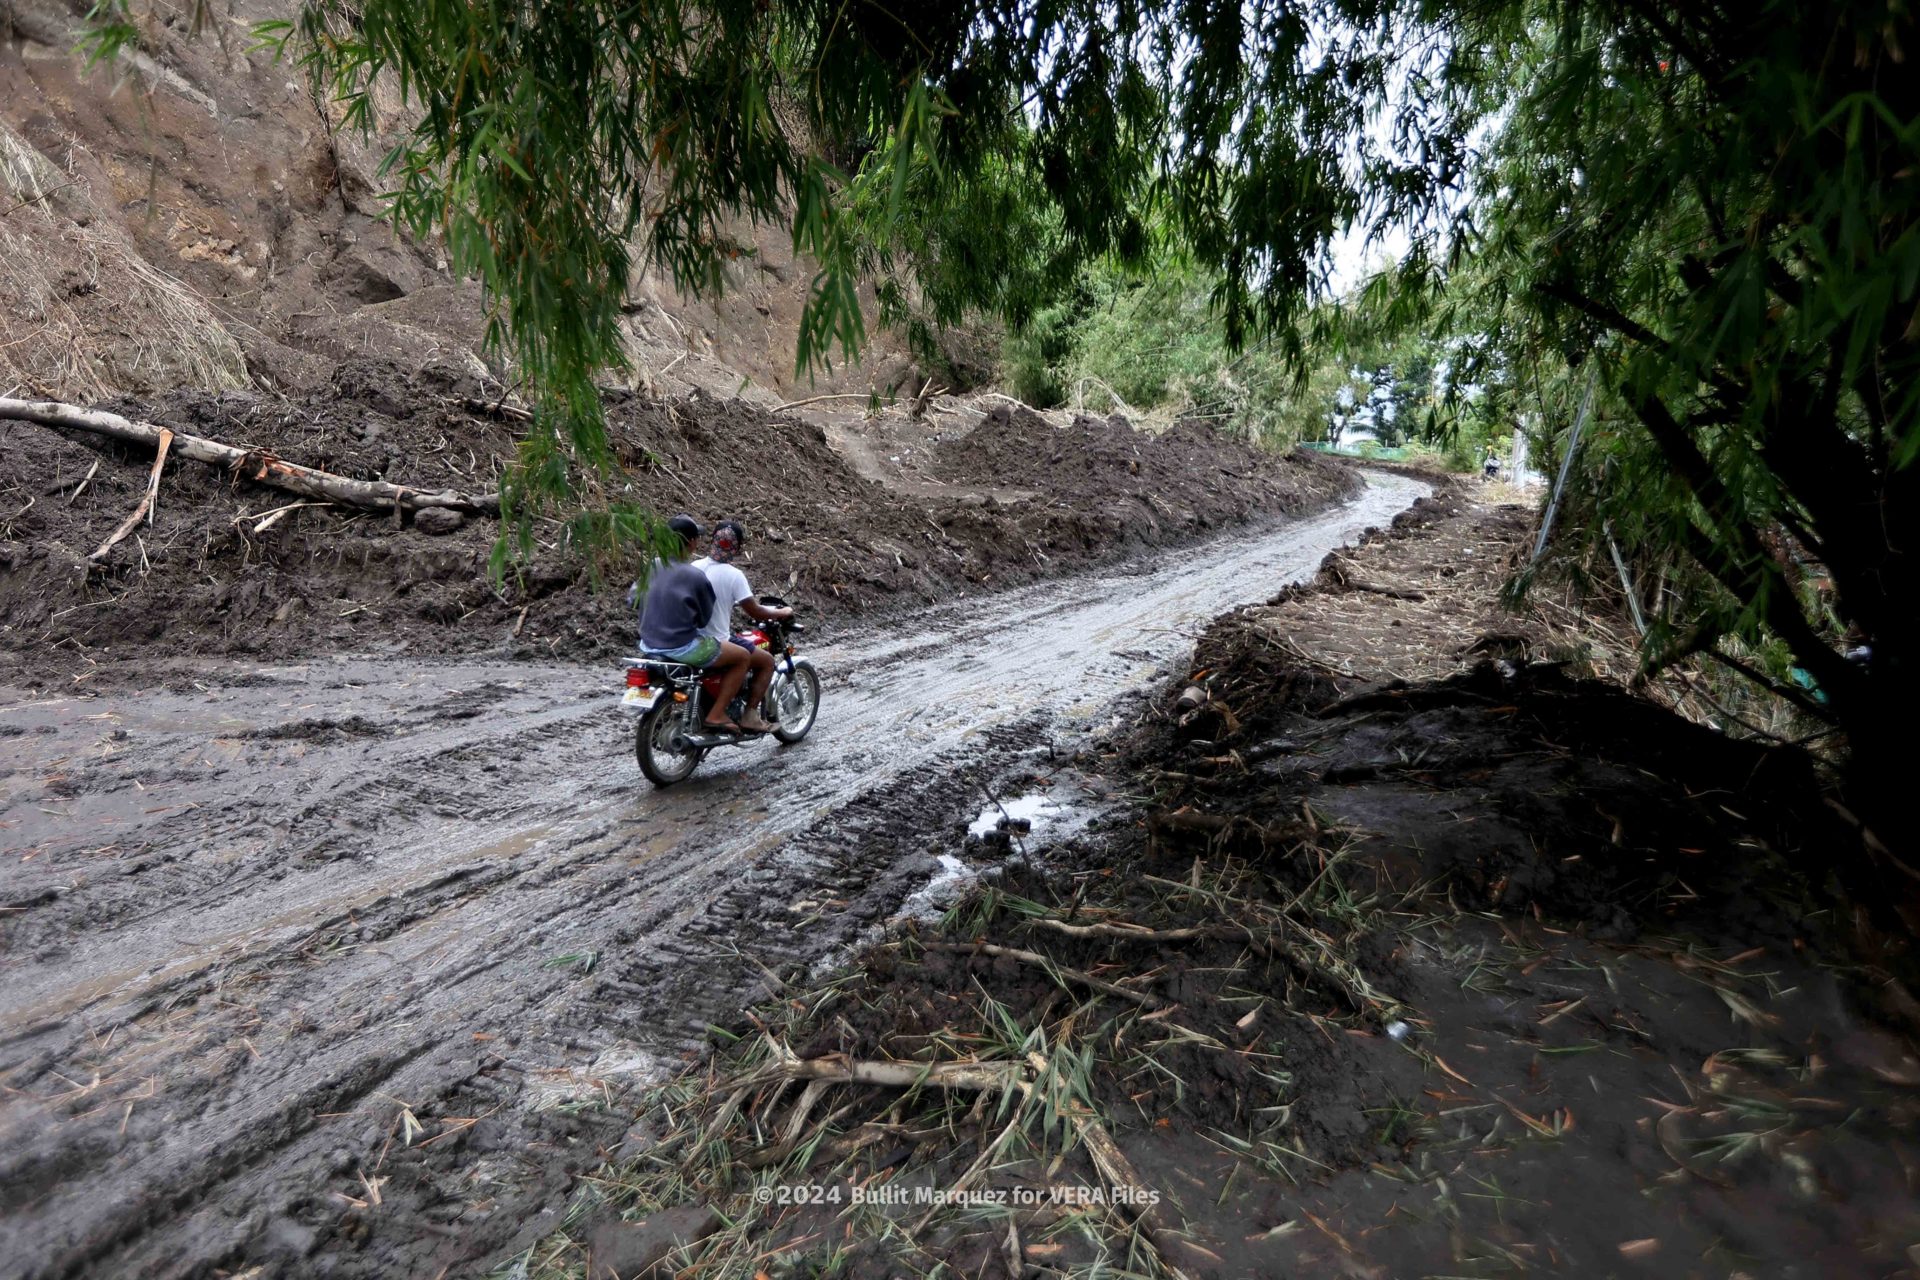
(729, 589)
(679, 605)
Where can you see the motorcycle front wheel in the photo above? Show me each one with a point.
(794, 702)
(653, 744)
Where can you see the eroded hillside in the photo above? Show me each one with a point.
(194, 217)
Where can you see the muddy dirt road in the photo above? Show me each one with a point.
(332, 968)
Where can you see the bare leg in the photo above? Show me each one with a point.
(732, 666)
(761, 663)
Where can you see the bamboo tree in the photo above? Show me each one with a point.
(1719, 209)
(1714, 204)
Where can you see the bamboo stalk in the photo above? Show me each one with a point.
(966, 1076)
(1135, 1200)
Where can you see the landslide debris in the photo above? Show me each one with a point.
(196, 215)
(1491, 965)
(222, 569)
(1180, 478)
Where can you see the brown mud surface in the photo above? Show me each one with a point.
(205, 577)
(194, 214)
(352, 965)
(1469, 965)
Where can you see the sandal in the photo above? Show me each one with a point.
(730, 727)
(750, 731)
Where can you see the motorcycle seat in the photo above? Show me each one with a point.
(668, 665)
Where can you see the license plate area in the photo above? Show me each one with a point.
(638, 699)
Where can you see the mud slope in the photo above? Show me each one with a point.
(339, 966)
(197, 216)
(207, 578)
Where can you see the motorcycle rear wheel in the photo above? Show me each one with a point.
(653, 746)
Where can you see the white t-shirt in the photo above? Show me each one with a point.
(729, 589)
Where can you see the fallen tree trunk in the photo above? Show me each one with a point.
(249, 464)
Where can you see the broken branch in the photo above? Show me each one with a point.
(274, 515)
(84, 482)
(979, 1076)
(146, 502)
(1141, 933)
(1035, 958)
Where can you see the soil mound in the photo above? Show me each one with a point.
(1598, 805)
(1188, 477)
(223, 569)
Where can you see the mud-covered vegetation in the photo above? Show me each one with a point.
(1499, 971)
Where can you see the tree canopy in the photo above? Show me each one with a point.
(1706, 212)
(1708, 215)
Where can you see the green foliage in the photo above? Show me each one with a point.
(550, 139)
(1151, 341)
(1712, 217)
(1714, 206)
(1033, 357)
(1721, 214)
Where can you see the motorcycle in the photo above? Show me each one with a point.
(673, 699)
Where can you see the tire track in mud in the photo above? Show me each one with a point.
(335, 967)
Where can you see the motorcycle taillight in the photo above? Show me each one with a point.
(636, 678)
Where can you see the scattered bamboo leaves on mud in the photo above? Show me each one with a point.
(1034, 1047)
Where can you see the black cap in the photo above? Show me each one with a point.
(686, 526)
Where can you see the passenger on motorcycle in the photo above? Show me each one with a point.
(729, 589)
(679, 605)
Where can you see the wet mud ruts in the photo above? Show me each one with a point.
(346, 965)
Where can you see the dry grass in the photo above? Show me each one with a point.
(82, 315)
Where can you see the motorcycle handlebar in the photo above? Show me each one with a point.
(775, 602)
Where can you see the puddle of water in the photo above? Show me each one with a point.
(621, 1065)
(1038, 811)
(933, 897)
(1046, 818)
